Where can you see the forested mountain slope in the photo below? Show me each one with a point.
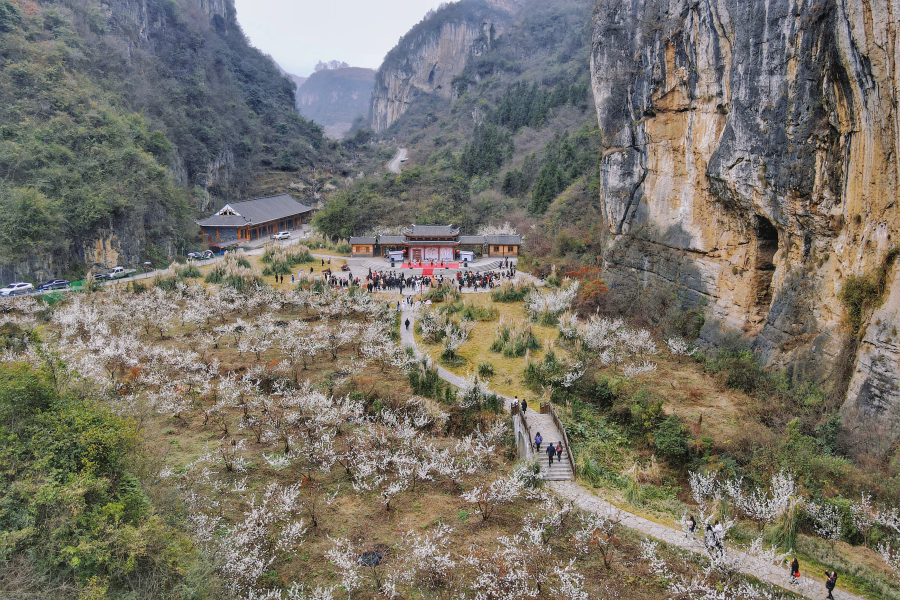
(120, 120)
(513, 114)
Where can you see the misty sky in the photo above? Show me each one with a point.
(300, 33)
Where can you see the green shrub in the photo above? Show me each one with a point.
(189, 272)
(646, 412)
(442, 293)
(514, 342)
(511, 292)
(858, 295)
(166, 283)
(603, 393)
(470, 311)
(485, 370)
(70, 501)
(672, 439)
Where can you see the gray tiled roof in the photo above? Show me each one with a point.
(471, 239)
(435, 230)
(503, 239)
(391, 239)
(256, 211)
(362, 240)
(430, 243)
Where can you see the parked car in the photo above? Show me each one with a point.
(116, 273)
(14, 289)
(282, 235)
(54, 284)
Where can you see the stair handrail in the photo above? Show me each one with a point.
(515, 409)
(562, 430)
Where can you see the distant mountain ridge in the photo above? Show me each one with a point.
(335, 97)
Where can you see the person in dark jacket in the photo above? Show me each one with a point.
(407, 323)
(795, 571)
(550, 452)
(691, 526)
(830, 583)
(524, 406)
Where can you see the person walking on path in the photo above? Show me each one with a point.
(709, 538)
(407, 324)
(795, 571)
(558, 451)
(830, 583)
(691, 526)
(719, 535)
(537, 441)
(524, 406)
(550, 453)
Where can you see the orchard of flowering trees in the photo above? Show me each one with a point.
(294, 439)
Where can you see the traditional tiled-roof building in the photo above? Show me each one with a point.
(434, 243)
(253, 219)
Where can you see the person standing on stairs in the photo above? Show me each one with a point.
(537, 441)
(558, 451)
(550, 452)
(524, 405)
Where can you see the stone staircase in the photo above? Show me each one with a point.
(560, 470)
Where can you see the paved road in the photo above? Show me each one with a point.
(585, 499)
(394, 165)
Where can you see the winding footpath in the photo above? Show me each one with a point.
(586, 500)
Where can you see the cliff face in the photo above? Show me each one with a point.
(434, 52)
(751, 161)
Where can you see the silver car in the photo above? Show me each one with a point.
(14, 289)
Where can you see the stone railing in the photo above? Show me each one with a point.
(521, 431)
(547, 409)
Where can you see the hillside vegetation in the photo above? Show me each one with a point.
(516, 134)
(118, 126)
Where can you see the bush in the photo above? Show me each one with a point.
(189, 272)
(672, 439)
(471, 311)
(485, 370)
(441, 293)
(646, 412)
(603, 393)
(69, 499)
(514, 342)
(512, 292)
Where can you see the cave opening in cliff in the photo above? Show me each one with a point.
(766, 247)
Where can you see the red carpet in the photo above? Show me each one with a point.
(453, 265)
(427, 271)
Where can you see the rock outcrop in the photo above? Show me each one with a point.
(751, 162)
(434, 52)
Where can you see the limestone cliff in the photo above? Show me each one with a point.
(751, 160)
(434, 52)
